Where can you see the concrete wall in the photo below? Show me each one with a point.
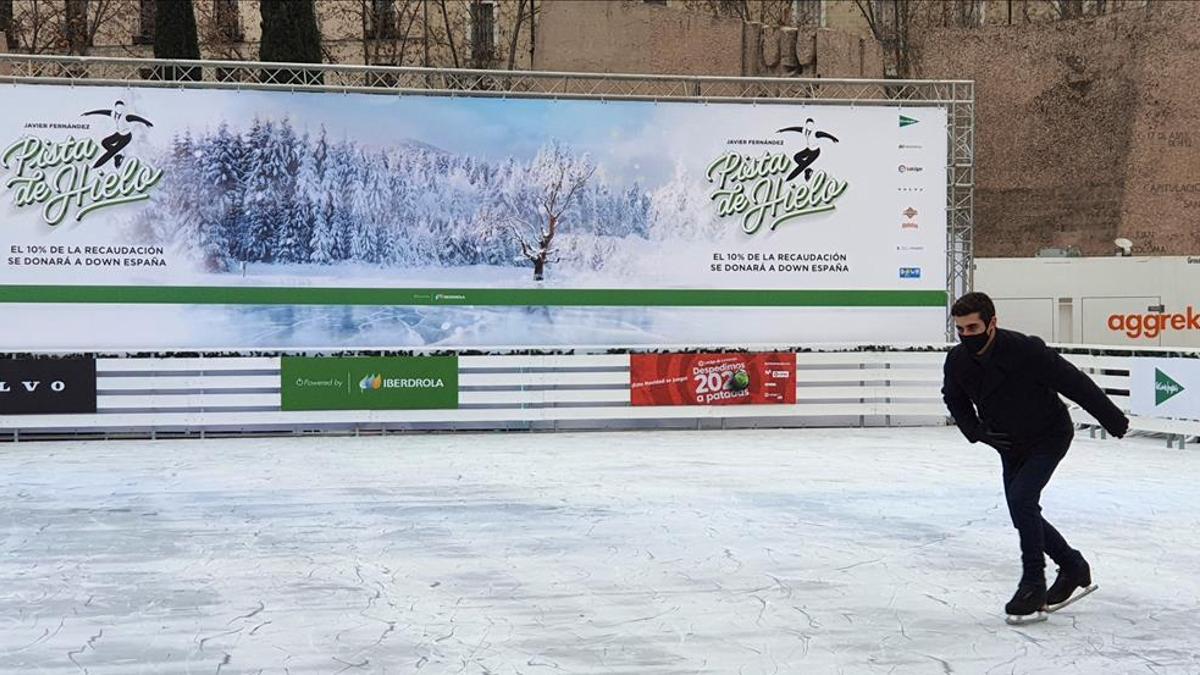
(1084, 127)
(628, 37)
(633, 37)
(1084, 130)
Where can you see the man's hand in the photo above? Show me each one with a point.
(996, 439)
(1120, 429)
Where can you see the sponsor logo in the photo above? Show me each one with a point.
(375, 382)
(712, 379)
(910, 213)
(910, 272)
(1153, 325)
(906, 121)
(31, 386)
(1164, 387)
(904, 168)
(776, 187)
(369, 383)
(74, 177)
(39, 386)
(906, 146)
(903, 248)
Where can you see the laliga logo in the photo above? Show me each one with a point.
(61, 175)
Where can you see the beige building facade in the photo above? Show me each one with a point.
(1085, 113)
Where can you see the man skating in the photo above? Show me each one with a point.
(1002, 388)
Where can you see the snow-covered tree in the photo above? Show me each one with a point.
(544, 201)
(272, 195)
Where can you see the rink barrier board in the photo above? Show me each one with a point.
(243, 393)
(615, 397)
(1101, 368)
(229, 393)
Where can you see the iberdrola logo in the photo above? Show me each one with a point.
(375, 382)
(371, 383)
(1164, 387)
(774, 188)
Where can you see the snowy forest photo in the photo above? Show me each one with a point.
(280, 203)
(273, 197)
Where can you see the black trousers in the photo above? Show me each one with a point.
(1027, 470)
(113, 144)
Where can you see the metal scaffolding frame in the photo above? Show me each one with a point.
(956, 96)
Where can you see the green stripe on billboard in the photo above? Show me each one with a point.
(562, 297)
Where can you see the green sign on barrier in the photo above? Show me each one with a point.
(370, 383)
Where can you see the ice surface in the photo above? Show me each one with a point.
(803, 551)
(174, 327)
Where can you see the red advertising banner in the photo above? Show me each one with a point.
(712, 379)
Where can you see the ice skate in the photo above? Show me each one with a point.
(1027, 604)
(1071, 584)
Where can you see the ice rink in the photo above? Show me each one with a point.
(801, 551)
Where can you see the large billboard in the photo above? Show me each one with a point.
(138, 218)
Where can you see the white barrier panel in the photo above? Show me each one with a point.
(235, 394)
(150, 395)
(1114, 374)
(1166, 388)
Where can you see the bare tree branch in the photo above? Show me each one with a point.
(578, 184)
(449, 33)
(512, 43)
(102, 13)
(889, 23)
(38, 27)
(413, 8)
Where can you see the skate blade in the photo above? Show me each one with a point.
(1025, 619)
(1087, 590)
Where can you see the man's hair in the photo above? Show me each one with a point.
(974, 302)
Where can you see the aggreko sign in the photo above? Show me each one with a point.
(1151, 325)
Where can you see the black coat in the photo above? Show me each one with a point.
(1015, 387)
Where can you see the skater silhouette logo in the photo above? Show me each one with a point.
(115, 143)
(805, 158)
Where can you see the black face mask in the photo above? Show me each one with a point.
(974, 343)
